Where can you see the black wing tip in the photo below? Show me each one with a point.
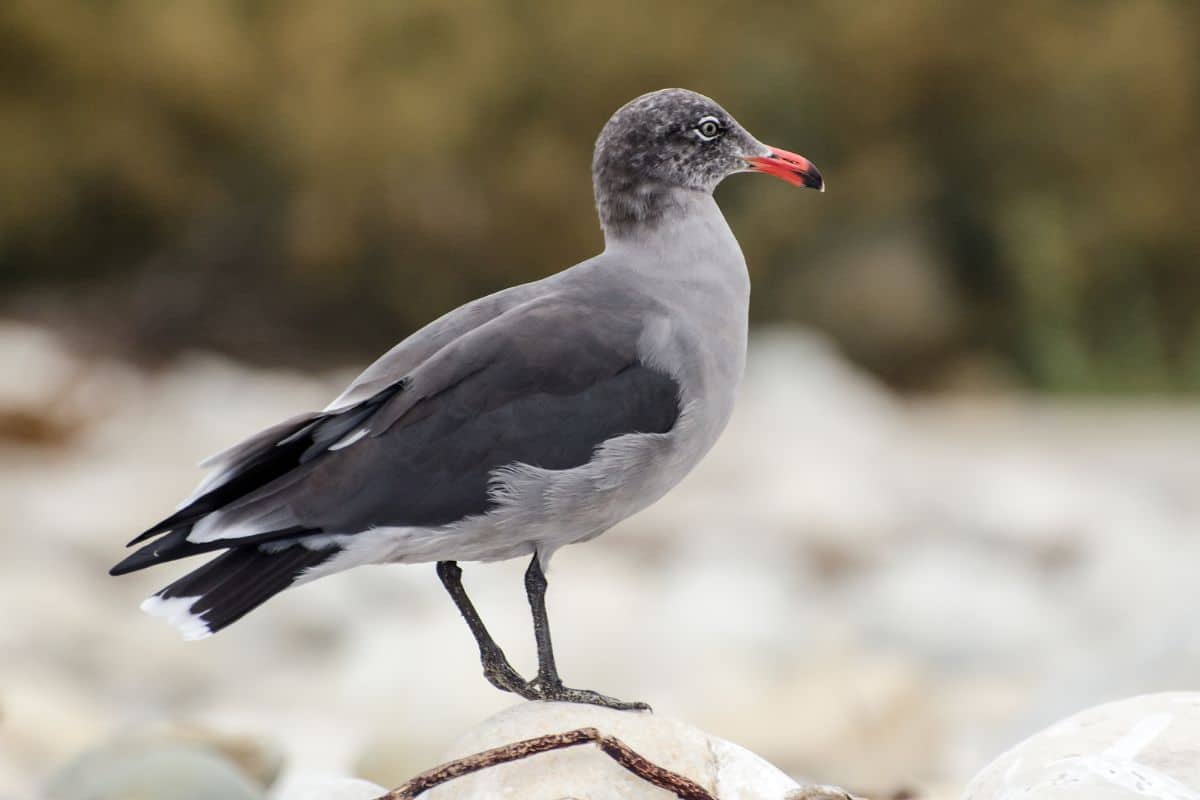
(141, 537)
(184, 516)
(175, 545)
(167, 548)
(247, 477)
(148, 556)
(166, 526)
(131, 564)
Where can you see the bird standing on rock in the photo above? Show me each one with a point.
(526, 420)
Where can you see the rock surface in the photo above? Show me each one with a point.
(585, 773)
(139, 770)
(257, 758)
(330, 789)
(1142, 748)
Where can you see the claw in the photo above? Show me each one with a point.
(567, 695)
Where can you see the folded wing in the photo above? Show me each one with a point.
(544, 384)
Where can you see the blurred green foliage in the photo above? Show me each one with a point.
(1013, 186)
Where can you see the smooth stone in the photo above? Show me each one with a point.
(259, 760)
(583, 772)
(321, 788)
(1134, 749)
(150, 771)
(386, 757)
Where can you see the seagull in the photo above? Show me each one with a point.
(536, 417)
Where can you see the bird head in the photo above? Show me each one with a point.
(677, 139)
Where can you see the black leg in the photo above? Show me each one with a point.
(495, 665)
(547, 684)
(535, 587)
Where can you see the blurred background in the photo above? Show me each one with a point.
(959, 495)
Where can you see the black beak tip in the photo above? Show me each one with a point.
(813, 180)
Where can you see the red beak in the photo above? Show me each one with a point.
(796, 170)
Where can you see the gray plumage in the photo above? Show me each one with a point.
(526, 420)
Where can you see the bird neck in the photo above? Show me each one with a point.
(630, 205)
(648, 209)
(688, 240)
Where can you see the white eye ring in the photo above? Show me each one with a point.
(708, 128)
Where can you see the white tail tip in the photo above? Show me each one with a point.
(178, 612)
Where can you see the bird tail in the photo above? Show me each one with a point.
(228, 587)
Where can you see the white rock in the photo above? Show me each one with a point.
(162, 771)
(330, 788)
(1142, 747)
(585, 773)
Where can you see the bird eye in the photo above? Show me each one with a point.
(708, 128)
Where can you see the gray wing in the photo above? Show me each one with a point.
(544, 384)
(416, 349)
(385, 371)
